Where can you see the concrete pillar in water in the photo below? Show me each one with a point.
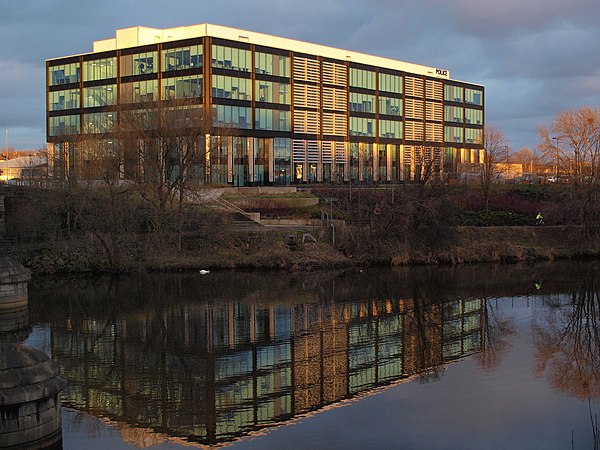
(30, 415)
(13, 297)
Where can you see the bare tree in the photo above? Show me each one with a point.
(494, 152)
(155, 152)
(575, 145)
(168, 150)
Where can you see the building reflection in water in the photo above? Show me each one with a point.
(211, 371)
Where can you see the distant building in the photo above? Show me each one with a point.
(301, 112)
(23, 168)
(510, 171)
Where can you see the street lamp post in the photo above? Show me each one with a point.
(556, 156)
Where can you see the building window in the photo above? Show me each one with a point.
(231, 87)
(59, 100)
(267, 64)
(272, 92)
(473, 97)
(453, 114)
(282, 156)
(390, 106)
(139, 64)
(473, 136)
(182, 58)
(362, 102)
(453, 134)
(391, 129)
(102, 122)
(100, 69)
(453, 93)
(182, 87)
(473, 116)
(269, 119)
(390, 83)
(231, 58)
(100, 96)
(234, 116)
(139, 91)
(64, 74)
(362, 78)
(360, 126)
(64, 125)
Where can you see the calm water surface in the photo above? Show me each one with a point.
(475, 357)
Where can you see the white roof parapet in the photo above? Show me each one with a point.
(137, 36)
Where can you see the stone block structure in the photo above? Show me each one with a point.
(30, 386)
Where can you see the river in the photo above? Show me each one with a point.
(471, 357)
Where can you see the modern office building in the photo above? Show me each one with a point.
(281, 111)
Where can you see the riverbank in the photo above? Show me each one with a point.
(268, 251)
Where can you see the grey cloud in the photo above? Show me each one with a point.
(535, 57)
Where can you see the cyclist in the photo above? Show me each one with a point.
(539, 219)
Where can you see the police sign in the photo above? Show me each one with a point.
(442, 73)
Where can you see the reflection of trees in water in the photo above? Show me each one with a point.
(568, 340)
(568, 345)
(496, 330)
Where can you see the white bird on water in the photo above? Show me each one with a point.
(204, 272)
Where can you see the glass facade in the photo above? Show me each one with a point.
(453, 134)
(68, 99)
(473, 97)
(64, 74)
(453, 93)
(360, 126)
(283, 161)
(139, 91)
(64, 125)
(182, 87)
(240, 169)
(231, 87)
(100, 96)
(473, 116)
(390, 106)
(101, 122)
(272, 92)
(325, 118)
(232, 116)
(473, 136)
(100, 69)
(271, 119)
(231, 58)
(139, 63)
(268, 64)
(390, 129)
(180, 58)
(362, 102)
(390, 83)
(218, 160)
(361, 78)
(453, 114)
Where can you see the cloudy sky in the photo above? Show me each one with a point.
(535, 57)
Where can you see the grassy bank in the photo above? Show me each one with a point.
(121, 230)
(268, 251)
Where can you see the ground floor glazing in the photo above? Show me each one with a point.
(251, 161)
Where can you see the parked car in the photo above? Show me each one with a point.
(552, 179)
